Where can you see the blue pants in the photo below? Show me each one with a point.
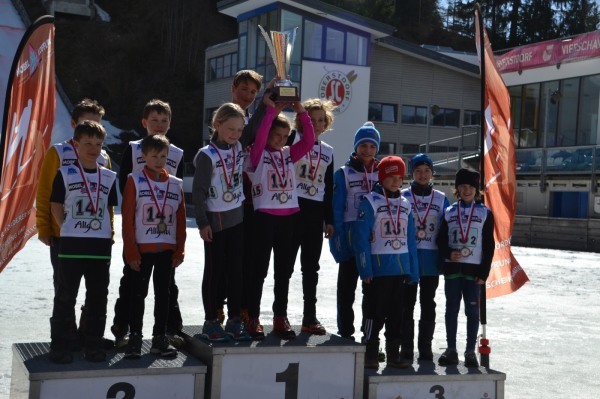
(457, 289)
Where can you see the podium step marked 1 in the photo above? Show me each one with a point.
(35, 377)
(309, 366)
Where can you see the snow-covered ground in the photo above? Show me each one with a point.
(544, 336)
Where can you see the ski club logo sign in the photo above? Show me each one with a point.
(336, 86)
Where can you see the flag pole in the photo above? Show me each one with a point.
(484, 349)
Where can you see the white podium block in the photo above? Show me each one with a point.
(35, 377)
(424, 380)
(309, 366)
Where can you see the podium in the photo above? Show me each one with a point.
(35, 377)
(308, 366)
(429, 380)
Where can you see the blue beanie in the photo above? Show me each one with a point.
(367, 133)
(420, 159)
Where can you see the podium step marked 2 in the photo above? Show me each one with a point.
(309, 366)
(428, 380)
(35, 377)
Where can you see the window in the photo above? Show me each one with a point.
(588, 110)
(313, 40)
(414, 115)
(567, 114)
(334, 47)
(356, 49)
(221, 67)
(386, 148)
(382, 112)
(446, 117)
(472, 118)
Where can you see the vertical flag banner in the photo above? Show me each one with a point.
(26, 133)
(499, 172)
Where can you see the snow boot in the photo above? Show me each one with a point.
(393, 355)
(371, 355)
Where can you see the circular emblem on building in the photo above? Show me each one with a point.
(336, 86)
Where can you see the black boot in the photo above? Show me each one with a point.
(426, 329)
(59, 343)
(392, 350)
(371, 354)
(408, 337)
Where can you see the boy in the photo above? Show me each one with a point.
(153, 236)
(350, 184)
(157, 121)
(64, 154)
(386, 254)
(466, 240)
(82, 200)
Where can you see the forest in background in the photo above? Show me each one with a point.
(155, 48)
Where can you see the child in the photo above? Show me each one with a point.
(275, 202)
(386, 253)
(64, 154)
(466, 240)
(157, 121)
(153, 237)
(428, 209)
(218, 197)
(314, 187)
(82, 200)
(351, 183)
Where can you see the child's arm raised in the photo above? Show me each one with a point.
(307, 140)
(263, 131)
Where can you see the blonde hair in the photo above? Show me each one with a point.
(315, 104)
(222, 114)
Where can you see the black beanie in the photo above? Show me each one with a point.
(467, 176)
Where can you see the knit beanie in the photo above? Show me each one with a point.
(390, 166)
(467, 176)
(420, 159)
(367, 133)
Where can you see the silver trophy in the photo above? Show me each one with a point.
(281, 45)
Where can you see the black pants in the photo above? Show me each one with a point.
(346, 289)
(272, 233)
(382, 305)
(223, 263)
(122, 304)
(162, 264)
(248, 253)
(308, 237)
(96, 275)
(428, 285)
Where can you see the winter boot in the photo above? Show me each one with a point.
(393, 356)
(371, 355)
(426, 329)
(408, 337)
(60, 352)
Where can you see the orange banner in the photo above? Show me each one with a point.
(26, 133)
(499, 170)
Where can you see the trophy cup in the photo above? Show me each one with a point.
(281, 45)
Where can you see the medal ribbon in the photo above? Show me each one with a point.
(313, 175)
(367, 181)
(162, 211)
(228, 179)
(396, 221)
(465, 235)
(415, 202)
(88, 187)
(281, 175)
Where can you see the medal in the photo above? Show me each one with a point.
(464, 235)
(421, 234)
(312, 191)
(283, 198)
(396, 244)
(95, 224)
(161, 226)
(228, 196)
(313, 172)
(464, 252)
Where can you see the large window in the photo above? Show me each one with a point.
(334, 48)
(567, 114)
(471, 118)
(313, 40)
(414, 115)
(379, 112)
(356, 49)
(221, 67)
(587, 129)
(447, 117)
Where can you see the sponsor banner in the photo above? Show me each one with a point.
(551, 52)
(26, 133)
(499, 170)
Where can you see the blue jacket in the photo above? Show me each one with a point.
(382, 265)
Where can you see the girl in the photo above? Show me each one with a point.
(427, 210)
(466, 240)
(218, 196)
(274, 196)
(314, 187)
